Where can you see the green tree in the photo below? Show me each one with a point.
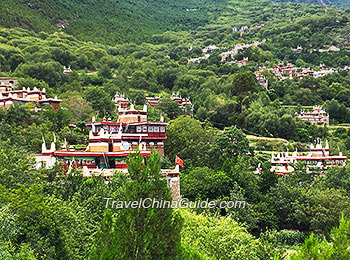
(205, 183)
(105, 72)
(189, 139)
(50, 72)
(15, 167)
(242, 84)
(137, 97)
(319, 210)
(100, 100)
(169, 107)
(218, 237)
(228, 144)
(80, 108)
(142, 233)
(337, 248)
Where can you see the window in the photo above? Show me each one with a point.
(162, 129)
(150, 129)
(156, 129)
(144, 128)
(138, 129)
(114, 129)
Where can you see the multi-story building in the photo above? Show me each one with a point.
(120, 100)
(135, 128)
(9, 96)
(318, 157)
(110, 143)
(317, 116)
(7, 83)
(153, 101)
(183, 102)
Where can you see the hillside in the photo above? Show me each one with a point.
(246, 71)
(111, 20)
(337, 3)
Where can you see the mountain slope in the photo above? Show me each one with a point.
(337, 3)
(109, 20)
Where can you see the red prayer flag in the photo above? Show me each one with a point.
(179, 161)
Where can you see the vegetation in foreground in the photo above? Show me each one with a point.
(45, 216)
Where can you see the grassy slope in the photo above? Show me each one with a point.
(109, 20)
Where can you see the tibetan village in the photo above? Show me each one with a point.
(175, 130)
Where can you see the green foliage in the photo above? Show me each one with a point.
(141, 233)
(228, 144)
(222, 238)
(216, 163)
(15, 168)
(338, 3)
(110, 21)
(338, 248)
(170, 108)
(100, 101)
(319, 210)
(205, 183)
(189, 139)
(290, 238)
(80, 108)
(50, 72)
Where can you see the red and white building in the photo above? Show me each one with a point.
(183, 102)
(110, 143)
(36, 96)
(67, 70)
(121, 101)
(318, 157)
(153, 101)
(317, 116)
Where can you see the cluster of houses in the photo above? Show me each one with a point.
(239, 47)
(211, 48)
(241, 29)
(317, 116)
(110, 143)
(184, 103)
(246, 29)
(8, 96)
(290, 71)
(228, 54)
(199, 59)
(317, 158)
(299, 49)
(261, 80)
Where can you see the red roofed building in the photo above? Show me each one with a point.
(120, 100)
(318, 116)
(318, 157)
(9, 96)
(110, 143)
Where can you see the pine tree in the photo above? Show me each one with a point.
(142, 233)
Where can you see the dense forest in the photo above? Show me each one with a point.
(109, 21)
(151, 48)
